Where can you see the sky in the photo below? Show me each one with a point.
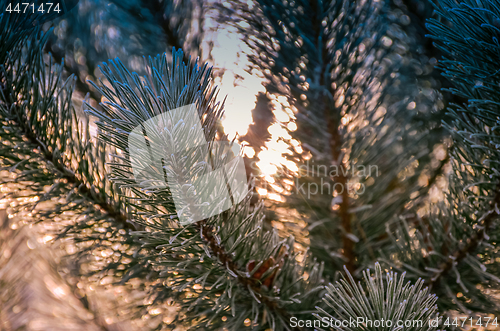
(236, 84)
(241, 89)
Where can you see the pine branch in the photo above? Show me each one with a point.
(449, 247)
(91, 194)
(335, 139)
(375, 302)
(345, 216)
(208, 235)
(238, 269)
(71, 69)
(472, 243)
(420, 200)
(52, 158)
(349, 84)
(226, 260)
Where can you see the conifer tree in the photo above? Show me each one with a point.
(462, 257)
(317, 55)
(350, 92)
(224, 271)
(347, 89)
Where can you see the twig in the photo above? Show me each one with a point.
(472, 243)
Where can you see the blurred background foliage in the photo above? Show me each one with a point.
(368, 68)
(96, 31)
(343, 84)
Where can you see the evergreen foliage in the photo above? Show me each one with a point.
(349, 88)
(393, 306)
(341, 72)
(228, 260)
(235, 269)
(468, 36)
(95, 31)
(52, 163)
(317, 55)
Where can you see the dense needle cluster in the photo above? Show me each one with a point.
(355, 97)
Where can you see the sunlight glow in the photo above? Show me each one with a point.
(236, 84)
(272, 157)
